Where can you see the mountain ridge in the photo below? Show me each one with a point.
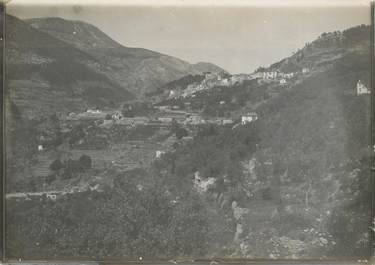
(138, 70)
(39, 64)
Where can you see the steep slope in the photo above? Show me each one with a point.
(326, 49)
(312, 162)
(138, 70)
(45, 75)
(304, 190)
(315, 139)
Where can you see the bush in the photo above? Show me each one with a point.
(50, 179)
(56, 165)
(85, 162)
(181, 132)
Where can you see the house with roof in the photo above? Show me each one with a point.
(249, 117)
(305, 70)
(94, 111)
(269, 75)
(159, 153)
(51, 196)
(362, 89)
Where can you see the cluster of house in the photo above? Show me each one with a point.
(280, 76)
(87, 114)
(249, 117)
(191, 118)
(221, 79)
(94, 111)
(211, 80)
(53, 195)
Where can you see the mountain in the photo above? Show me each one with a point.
(208, 67)
(45, 74)
(137, 70)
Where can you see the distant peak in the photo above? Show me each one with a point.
(208, 67)
(68, 30)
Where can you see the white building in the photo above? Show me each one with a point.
(282, 81)
(225, 81)
(172, 93)
(40, 147)
(270, 75)
(287, 75)
(159, 153)
(51, 196)
(94, 111)
(165, 119)
(250, 117)
(227, 121)
(305, 70)
(163, 108)
(362, 89)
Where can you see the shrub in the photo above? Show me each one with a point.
(181, 132)
(85, 162)
(56, 165)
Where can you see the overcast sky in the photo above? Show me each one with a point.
(239, 39)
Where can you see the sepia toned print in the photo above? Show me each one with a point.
(174, 132)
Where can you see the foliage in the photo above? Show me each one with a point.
(90, 224)
(56, 165)
(85, 161)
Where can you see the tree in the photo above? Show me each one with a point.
(181, 132)
(85, 162)
(56, 165)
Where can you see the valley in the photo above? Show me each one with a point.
(112, 158)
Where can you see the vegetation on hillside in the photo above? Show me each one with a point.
(292, 184)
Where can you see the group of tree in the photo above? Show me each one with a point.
(124, 221)
(69, 168)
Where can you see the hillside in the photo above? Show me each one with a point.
(137, 70)
(307, 180)
(294, 183)
(207, 67)
(45, 75)
(326, 49)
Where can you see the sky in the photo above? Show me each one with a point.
(238, 36)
